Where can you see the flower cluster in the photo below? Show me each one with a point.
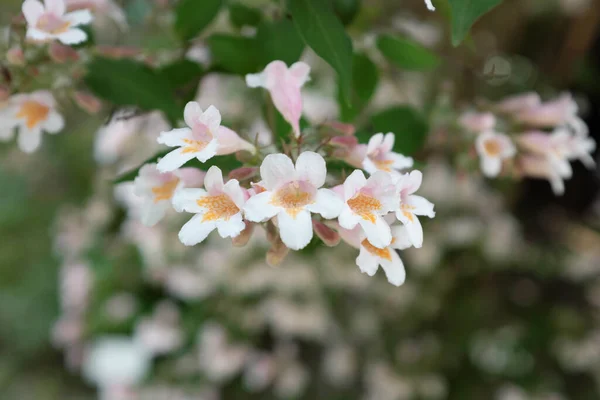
(377, 214)
(522, 136)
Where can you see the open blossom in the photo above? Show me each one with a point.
(32, 113)
(560, 111)
(541, 168)
(284, 85)
(218, 207)
(366, 202)
(203, 139)
(412, 205)
(493, 148)
(49, 21)
(292, 194)
(157, 189)
(380, 156)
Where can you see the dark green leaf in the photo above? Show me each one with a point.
(181, 73)
(137, 11)
(325, 34)
(364, 82)
(242, 15)
(226, 163)
(346, 10)
(408, 124)
(239, 55)
(279, 40)
(130, 83)
(406, 54)
(464, 15)
(192, 16)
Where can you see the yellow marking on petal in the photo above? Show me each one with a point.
(219, 207)
(384, 165)
(52, 24)
(165, 192)
(292, 198)
(381, 253)
(407, 211)
(492, 147)
(193, 146)
(33, 112)
(364, 206)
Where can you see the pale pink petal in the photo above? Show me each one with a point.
(32, 10)
(192, 177)
(299, 72)
(400, 161)
(152, 213)
(259, 208)
(388, 142)
(235, 192)
(519, 102)
(288, 100)
(295, 231)
(311, 167)
(413, 182)
(257, 80)
(195, 231)
(348, 219)
(230, 142)
(37, 35)
(414, 230)
(394, 269)
(208, 152)
(213, 181)
(276, 73)
(374, 142)
(327, 203)
(367, 262)
(174, 137)
(378, 233)
(56, 7)
(55, 122)
(80, 17)
(29, 140)
(211, 118)
(401, 239)
(73, 36)
(173, 160)
(421, 205)
(491, 166)
(186, 199)
(7, 132)
(277, 169)
(231, 227)
(192, 113)
(353, 183)
(353, 237)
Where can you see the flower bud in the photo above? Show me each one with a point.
(330, 237)
(15, 56)
(243, 173)
(242, 239)
(477, 122)
(87, 102)
(61, 54)
(344, 129)
(277, 253)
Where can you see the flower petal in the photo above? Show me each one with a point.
(375, 142)
(6, 133)
(259, 208)
(378, 233)
(32, 10)
(192, 113)
(311, 167)
(56, 7)
(55, 123)
(152, 212)
(195, 231)
(394, 269)
(327, 203)
(37, 35)
(230, 142)
(232, 227)
(353, 183)
(235, 192)
(401, 239)
(415, 231)
(299, 72)
(367, 262)
(388, 142)
(173, 160)
(277, 169)
(490, 166)
(421, 205)
(186, 199)
(174, 137)
(29, 140)
(208, 152)
(213, 181)
(73, 36)
(295, 231)
(79, 17)
(211, 118)
(257, 80)
(348, 219)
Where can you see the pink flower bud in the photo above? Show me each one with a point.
(330, 237)
(61, 54)
(242, 239)
(277, 253)
(518, 103)
(15, 56)
(345, 129)
(243, 173)
(477, 122)
(549, 114)
(87, 102)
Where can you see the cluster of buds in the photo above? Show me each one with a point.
(377, 214)
(538, 139)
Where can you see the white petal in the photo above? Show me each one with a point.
(208, 152)
(235, 192)
(348, 219)
(29, 140)
(230, 142)
(415, 231)
(186, 200)
(55, 123)
(300, 72)
(367, 262)
(57, 7)
(173, 160)
(7, 132)
(394, 269)
(232, 227)
(295, 231)
(422, 206)
(413, 181)
(174, 137)
(276, 169)
(259, 208)
(211, 118)
(378, 234)
(38, 35)
(79, 17)
(73, 36)
(195, 231)
(153, 212)
(388, 142)
(192, 113)
(32, 10)
(400, 161)
(374, 142)
(257, 80)
(355, 181)
(401, 238)
(213, 181)
(327, 203)
(490, 166)
(311, 167)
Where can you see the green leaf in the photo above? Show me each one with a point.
(279, 40)
(137, 11)
(464, 15)
(325, 34)
(236, 54)
(364, 82)
(406, 54)
(225, 163)
(242, 15)
(346, 10)
(131, 83)
(181, 73)
(192, 16)
(408, 124)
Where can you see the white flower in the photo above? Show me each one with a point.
(32, 113)
(103, 9)
(218, 207)
(292, 193)
(429, 5)
(157, 189)
(380, 156)
(219, 358)
(52, 23)
(412, 205)
(160, 333)
(366, 202)
(493, 148)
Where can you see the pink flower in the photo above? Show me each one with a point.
(493, 148)
(348, 149)
(554, 147)
(50, 22)
(380, 156)
(477, 122)
(284, 86)
(550, 114)
(541, 168)
(518, 103)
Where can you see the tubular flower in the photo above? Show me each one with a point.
(411, 206)
(493, 148)
(49, 21)
(380, 156)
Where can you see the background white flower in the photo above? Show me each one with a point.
(49, 21)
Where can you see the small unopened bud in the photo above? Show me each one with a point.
(242, 239)
(87, 102)
(61, 54)
(344, 141)
(15, 56)
(277, 253)
(330, 237)
(243, 173)
(344, 129)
